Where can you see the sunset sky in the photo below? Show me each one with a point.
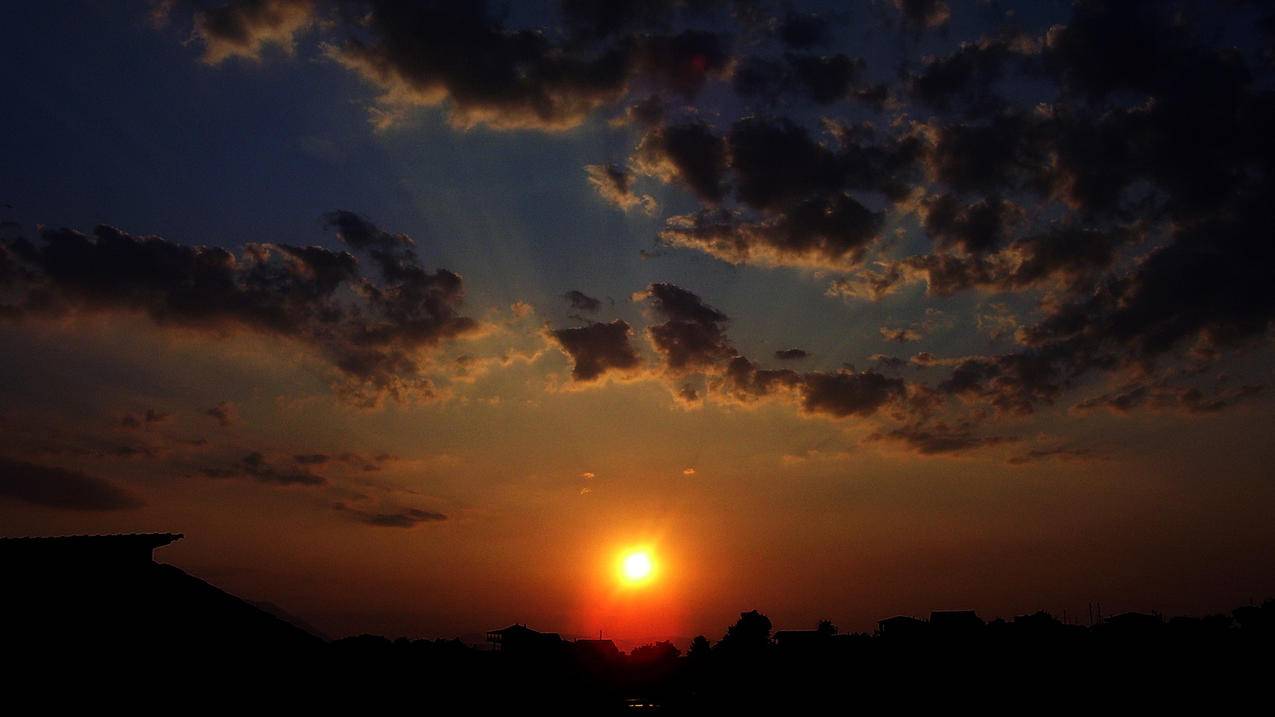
(416, 318)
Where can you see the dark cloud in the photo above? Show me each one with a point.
(976, 228)
(1009, 152)
(1072, 258)
(793, 354)
(679, 63)
(402, 518)
(312, 459)
(1161, 396)
(801, 30)
(693, 334)
(355, 460)
(846, 393)
(839, 395)
(369, 329)
(428, 53)
(826, 78)
(796, 194)
(939, 438)
(689, 153)
(53, 487)
(1012, 383)
(744, 381)
(242, 28)
(645, 113)
(832, 231)
(1059, 453)
(1115, 170)
(776, 162)
(966, 79)
(581, 301)
(151, 416)
(597, 348)
(693, 338)
(593, 20)
(506, 78)
(226, 413)
(822, 79)
(923, 14)
(256, 467)
(900, 334)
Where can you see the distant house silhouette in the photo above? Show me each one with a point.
(521, 639)
(801, 639)
(104, 593)
(900, 626)
(955, 621)
(597, 650)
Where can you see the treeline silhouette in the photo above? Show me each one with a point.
(93, 621)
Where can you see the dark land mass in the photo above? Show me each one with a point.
(94, 622)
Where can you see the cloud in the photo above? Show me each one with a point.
(976, 228)
(923, 14)
(54, 487)
(847, 393)
(363, 463)
(401, 518)
(421, 54)
(693, 335)
(689, 153)
(1113, 173)
(1071, 258)
(368, 328)
(802, 30)
(1161, 396)
(615, 184)
(795, 205)
(1059, 453)
(840, 394)
(900, 335)
(940, 439)
(822, 79)
(242, 28)
(582, 302)
(256, 467)
(966, 79)
(226, 413)
(793, 354)
(597, 349)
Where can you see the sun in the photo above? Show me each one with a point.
(636, 567)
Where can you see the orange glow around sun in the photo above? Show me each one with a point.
(636, 567)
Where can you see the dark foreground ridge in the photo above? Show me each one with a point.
(94, 620)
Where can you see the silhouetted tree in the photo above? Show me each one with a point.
(751, 634)
(699, 650)
(826, 628)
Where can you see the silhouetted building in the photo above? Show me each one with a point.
(801, 639)
(900, 626)
(82, 552)
(520, 638)
(949, 621)
(597, 650)
(104, 594)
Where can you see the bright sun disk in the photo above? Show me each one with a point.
(636, 567)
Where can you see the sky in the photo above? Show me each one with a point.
(414, 318)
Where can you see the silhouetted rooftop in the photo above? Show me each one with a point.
(151, 540)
